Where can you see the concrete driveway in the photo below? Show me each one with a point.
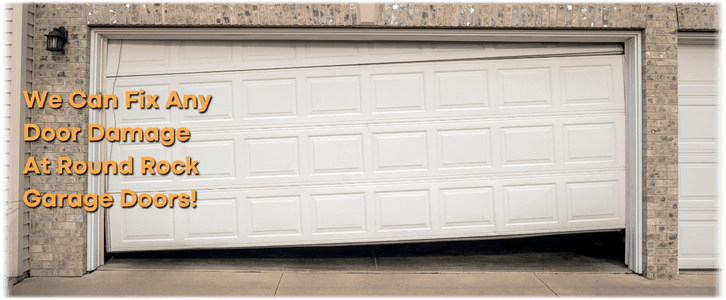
(231, 283)
(564, 265)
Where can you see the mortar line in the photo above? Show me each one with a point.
(540, 280)
(278, 284)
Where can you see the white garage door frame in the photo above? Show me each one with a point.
(632, 76)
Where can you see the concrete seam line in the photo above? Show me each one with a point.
(540, 280)
(278, 284)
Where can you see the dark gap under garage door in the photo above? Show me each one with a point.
(584, 252)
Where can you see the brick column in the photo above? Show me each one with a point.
(58, 235)
(660, 140)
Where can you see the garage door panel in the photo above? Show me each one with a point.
(467, 207)
(587, 85)
(400, 151)
(272, 157)
(402, 211)
(336, 154)
(165, 57)
(694, 249)
(375, 94)
(699, 180)
(398, 93)
(464, 148)
(538, 145)
(696, 122)
(698, 197)
(316, 155)
(700, 127)
(701, 233)
(537, 93)
(144, 225)
(120, 153)
(465, 90)
(331, 49)
(334, 96)
(168, 228)
(387, 211)
(567, 201)
(268, 50)
(588, 201)
(222, 210)
(701, 62)
(338, 213)
(379, 48)
(274, 216)
(140, 56)
(530, 204)
(384, 146)
(594, 142)
(698, 174)
(135, 115)
(269, 98)
(222, 110)
(205, 52)
(225, 167)
(697, 92)
(222, 165)
(221, 106)
(705, 99)
(527, 145)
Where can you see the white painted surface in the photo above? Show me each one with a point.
(172, 57)
(698, 156)
(380, 152)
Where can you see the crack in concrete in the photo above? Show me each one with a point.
(540, 280)
(278, 284)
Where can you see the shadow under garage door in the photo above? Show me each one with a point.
(584, 252)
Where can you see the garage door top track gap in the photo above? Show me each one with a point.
(379, 63)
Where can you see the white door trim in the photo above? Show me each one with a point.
(697, 38)
(631, 40)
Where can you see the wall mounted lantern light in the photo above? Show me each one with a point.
(56, 39)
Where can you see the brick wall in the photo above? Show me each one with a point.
(660, 143)
(58, 236)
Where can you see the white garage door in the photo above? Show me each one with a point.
(361, 142)
(698, 156)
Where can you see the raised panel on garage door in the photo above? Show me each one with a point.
(385, 152)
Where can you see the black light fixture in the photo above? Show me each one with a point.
(56, 39)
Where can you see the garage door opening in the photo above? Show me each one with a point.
(600, 252)
(321, 143)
